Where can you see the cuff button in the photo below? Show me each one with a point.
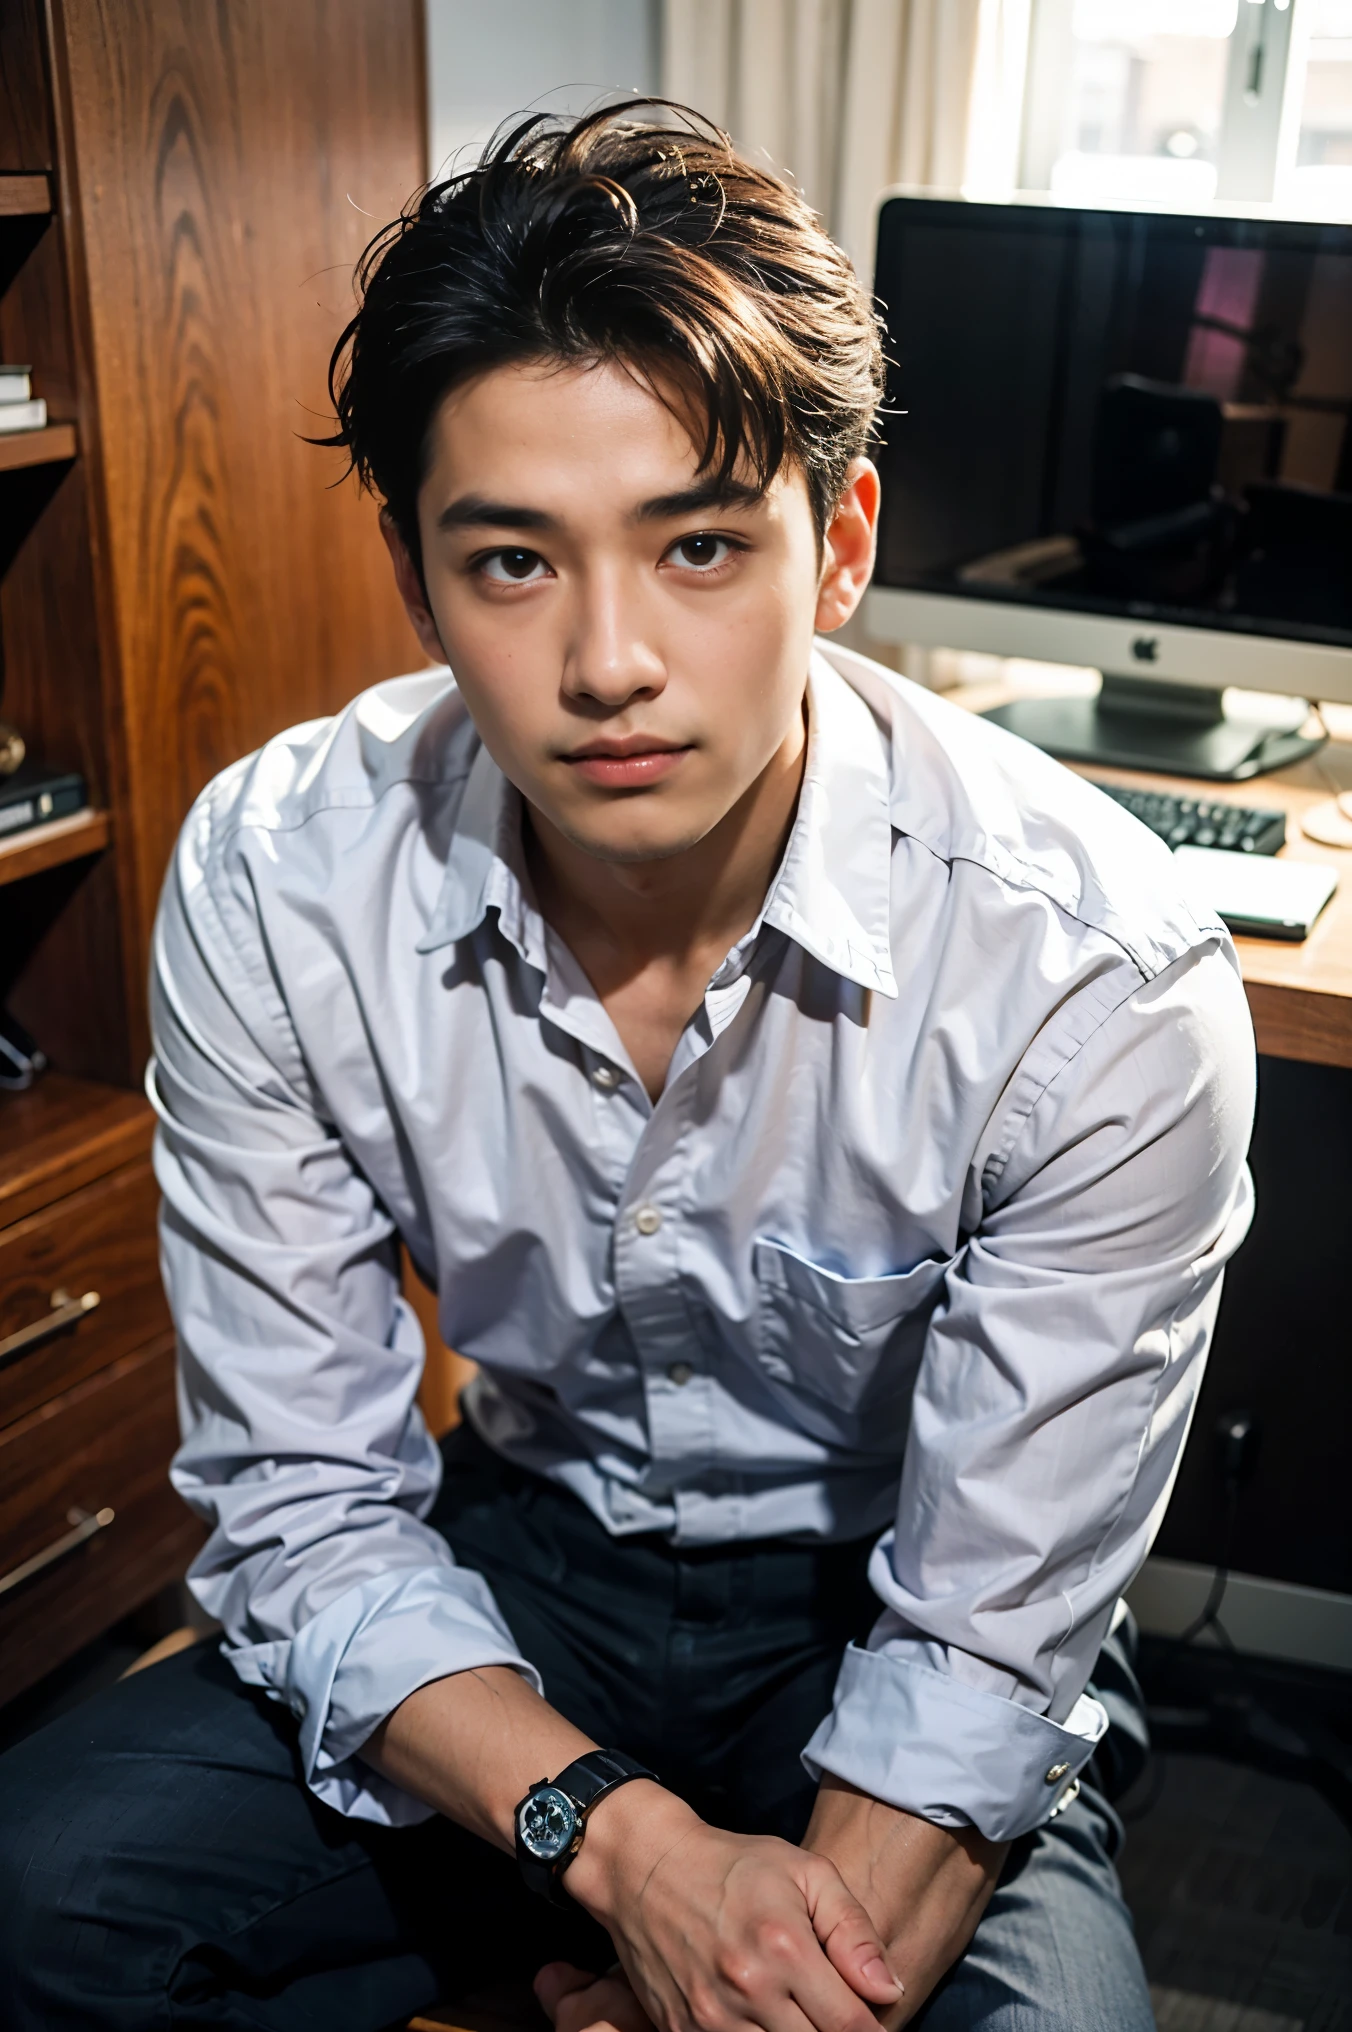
(1057, 1773)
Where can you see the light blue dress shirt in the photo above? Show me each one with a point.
(923, 1238)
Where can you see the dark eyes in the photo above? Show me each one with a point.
(513, 567)
(701, 553)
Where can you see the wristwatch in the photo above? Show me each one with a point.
(552, 1818)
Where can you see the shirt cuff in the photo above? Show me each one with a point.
(350, 1666)
(948, 1752)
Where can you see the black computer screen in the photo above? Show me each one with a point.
(1120, 412)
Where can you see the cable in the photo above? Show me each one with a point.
(1328, 825)
(1237, 1437)
(1342, 798)
(1220, 1579)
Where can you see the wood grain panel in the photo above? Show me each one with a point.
(229, 164)
(25, 128)
(106, 1442)
(1299, 1023)
(103, 1240)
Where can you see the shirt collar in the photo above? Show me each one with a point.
(832, 891)
(483, 866)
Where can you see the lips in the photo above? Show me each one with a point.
(628, 764)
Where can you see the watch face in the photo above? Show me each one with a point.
(548, 1823)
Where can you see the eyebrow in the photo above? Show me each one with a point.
(710, 493)
(473, 511)
(476, 511)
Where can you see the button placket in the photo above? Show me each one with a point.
(648, 1288)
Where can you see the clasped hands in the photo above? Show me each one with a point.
(717, 1932)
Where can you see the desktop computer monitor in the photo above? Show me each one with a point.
(1124, 440)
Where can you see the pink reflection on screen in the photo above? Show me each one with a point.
(1228, 292)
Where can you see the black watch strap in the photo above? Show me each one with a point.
(586, 1780)
(590, 1777)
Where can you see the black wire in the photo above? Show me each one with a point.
(1220, 1579)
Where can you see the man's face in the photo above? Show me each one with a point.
(632, 646)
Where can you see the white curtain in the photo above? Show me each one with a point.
(851, 96)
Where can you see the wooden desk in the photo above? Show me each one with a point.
(1300, 995)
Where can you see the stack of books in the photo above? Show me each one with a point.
(18, 410)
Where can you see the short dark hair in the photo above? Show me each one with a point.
(636, 235)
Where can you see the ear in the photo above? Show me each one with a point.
(848, 547)
(409, 581)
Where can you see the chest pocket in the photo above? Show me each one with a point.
(852, 1342)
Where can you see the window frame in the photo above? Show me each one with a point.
(1260, 108)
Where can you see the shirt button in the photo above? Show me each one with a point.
(647, 1220)
(1057, 1772)
(680, 1373)
(606, 1077)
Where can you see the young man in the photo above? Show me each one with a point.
(822, 1121)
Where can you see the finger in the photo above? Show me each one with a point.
(849, 1937)
(793, 1980)
(605, 2004)
(557, 1980)
(822, 2002)
(828, 2000)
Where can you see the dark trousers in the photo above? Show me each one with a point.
(163, 1864)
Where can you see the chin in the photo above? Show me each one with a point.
(624, 845)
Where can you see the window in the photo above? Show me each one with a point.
(1179, 102)
(1320, 177)
(1142, 112)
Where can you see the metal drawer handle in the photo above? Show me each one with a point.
(85, 1527)
(66, 1311)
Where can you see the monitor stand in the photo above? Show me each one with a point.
(1144, 723)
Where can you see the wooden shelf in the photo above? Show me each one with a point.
(38, 447)
(24, 197)
(47, 846)
(62, 1134)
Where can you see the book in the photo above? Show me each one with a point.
(1255, 895)
(33, 794)
(23, 415)
(16, 384)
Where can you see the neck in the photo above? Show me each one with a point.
(707, 895)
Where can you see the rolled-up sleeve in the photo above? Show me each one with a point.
(303, 1447)
(1054, 1399)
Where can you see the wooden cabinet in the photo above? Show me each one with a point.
(89, 1521)
(79, 1288)
(183, 194)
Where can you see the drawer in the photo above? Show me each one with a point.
(101, 1243)
(89, 1526)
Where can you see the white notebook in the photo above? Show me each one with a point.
(23, 415)
(1254, 893)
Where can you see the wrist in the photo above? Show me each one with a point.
(627, 1834)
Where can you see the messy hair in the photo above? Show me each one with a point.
(635, 236)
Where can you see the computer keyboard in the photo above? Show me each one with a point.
(1192, 822)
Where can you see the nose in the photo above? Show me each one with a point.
(609, 659)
